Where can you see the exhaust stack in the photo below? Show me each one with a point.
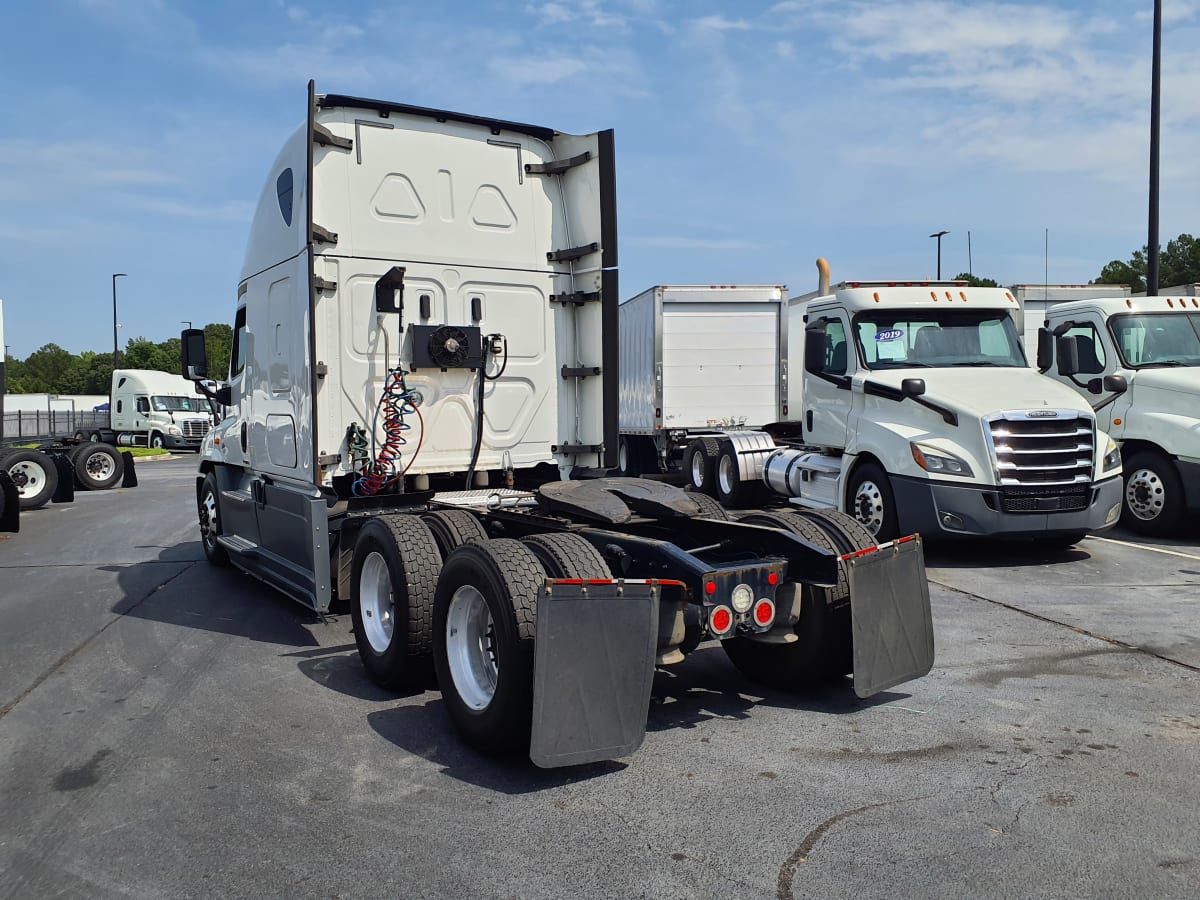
(822, 276)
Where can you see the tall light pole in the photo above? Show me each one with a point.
(939, 235)
(114, 282)
(1155, 88)
(187, 322)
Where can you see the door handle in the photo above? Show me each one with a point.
(243, 437)
(808, 417)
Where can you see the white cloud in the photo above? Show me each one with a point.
(785, 49)
(720, 23)
(522, 70)
(682, 242)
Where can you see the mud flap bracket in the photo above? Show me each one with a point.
(593, 669)
(891, 623)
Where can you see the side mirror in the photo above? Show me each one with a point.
(195, 357)
(1045, 350)
(1095, 385)
(1115, 384)
(912, 387)
(1068, 355)
(814, 350)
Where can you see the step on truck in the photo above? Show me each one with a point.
(697, 361)
(421, 418)
(1137, 361)
(915, 412)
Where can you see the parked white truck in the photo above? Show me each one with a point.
(1138, 361)
(424, 354)
(696, 360)
(1035, 299)
(149, 408)
(919, 414)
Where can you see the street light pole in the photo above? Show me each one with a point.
(1155, 90)
(116, 275)
(939, 235)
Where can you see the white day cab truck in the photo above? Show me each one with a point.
(917, 413)
(149, 408)
(1138, 361)
(1035, 299)
(695, 361)
(422, 412)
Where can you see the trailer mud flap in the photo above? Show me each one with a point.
(128, 475)
(593, 669)
(10, 509)
(892, 626)
(65, 492)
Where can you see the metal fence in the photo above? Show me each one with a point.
(42, 424)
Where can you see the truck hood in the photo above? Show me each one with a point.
(1179, 380)
(977, 392)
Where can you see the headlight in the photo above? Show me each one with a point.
(173, 429)
(1112, 456)
(939, 461)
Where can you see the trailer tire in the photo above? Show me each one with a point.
(845, 530)
(629, 460)
(209, 512)
(97, 466)
(1152, 502)
(34, 474)
(485, 621)
(567, 556)
(451, 528)
(873, 503)
(710, 508)
(393, 577)
(727, 481)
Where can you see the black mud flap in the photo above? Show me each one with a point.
(892, 625)
(10, 504)
(65, 492)
(593, 669)
(129, 476)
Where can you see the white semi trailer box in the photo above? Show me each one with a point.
(695, 360)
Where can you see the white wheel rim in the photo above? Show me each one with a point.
(376, 603)
(1145, 494)
(623, 457)
(868, 506)
(727, 475)
(157, 442)
(471, 648)
(698, 469)
(99, 466)
(29, 478)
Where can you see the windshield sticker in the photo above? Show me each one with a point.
(893, 335)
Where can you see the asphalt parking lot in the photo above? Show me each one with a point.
(172, 730)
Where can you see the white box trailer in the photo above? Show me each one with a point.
(1035, 301)
(698, 360)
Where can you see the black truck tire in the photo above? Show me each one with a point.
(709, 507)
(869, 498)
(567, 556)
(451, 528)
(485, 621)
(34, 474)
(97, 466)
(629, 456)
(700, 463)
(393, 576)
(727, 484)
(845, 530)
(1152, 501)
(208, 504)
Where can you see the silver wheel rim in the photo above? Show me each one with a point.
(1145, 494)
(868, 506)
(727, 475)
(698, 469)
(29, 478)
(208, 520)
(376, 603)
(100, 466)
(471, 648)
(156, 442)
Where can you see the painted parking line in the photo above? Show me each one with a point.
(1092, 537)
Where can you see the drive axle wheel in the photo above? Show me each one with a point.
(34, 474)
(97, 466)
(700, 464)
(393, 575)
(567, 556)
(1153, 502)
(484, 619)
(709, 508)
(451, 528)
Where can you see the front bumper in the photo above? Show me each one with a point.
(941, 509)
(178, 442)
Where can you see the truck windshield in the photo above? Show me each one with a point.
(1159, 339)
(902, 339)
(179, 404)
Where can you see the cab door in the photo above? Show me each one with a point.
(828, 355)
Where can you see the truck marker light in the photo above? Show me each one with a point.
(720, 620)
(933, 294)
(876, 296)
(1170, 303)
(963, 295)
(1010, 297)
(948, 296)
(1116, 421)
(742, 598)
(764, 612)
(710, 587)
(772, 579)
(1129, 303)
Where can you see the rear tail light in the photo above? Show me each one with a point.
(720, 620)
(764, 612)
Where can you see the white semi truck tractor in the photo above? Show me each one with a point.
(1137, 360)
(149, 408)
(421, 412)
(916, 412)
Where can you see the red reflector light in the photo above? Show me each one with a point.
(720, 620)
(710, 587)
(772, 579)
(764, 612)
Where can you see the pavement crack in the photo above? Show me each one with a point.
(787, 872)
(78, 648)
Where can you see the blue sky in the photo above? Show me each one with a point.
(751, 137)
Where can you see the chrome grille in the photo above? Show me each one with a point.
(1043, 449)
(194, 428)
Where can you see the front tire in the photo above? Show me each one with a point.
(210, 522)
(393, 576)
(870, 500)
(156, 441)
(485, 621)
(1153, 498)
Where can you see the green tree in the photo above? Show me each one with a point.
(975, 281)
(45, 369)
(218, 342)
(139, 353)
(1178, 263)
